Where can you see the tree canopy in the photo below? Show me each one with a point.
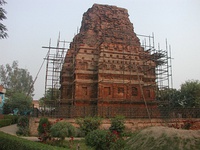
(16, 79)
(3, 28)
(18, 101)
(188, 96)
(190, 91)
(19, 88)
(51, 95)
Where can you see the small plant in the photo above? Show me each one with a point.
(117, 125)
(23, 125)
(44, 129)
(88, 124)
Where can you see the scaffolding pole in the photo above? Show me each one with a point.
(54, 61)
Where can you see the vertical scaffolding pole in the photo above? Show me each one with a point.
(54, 61)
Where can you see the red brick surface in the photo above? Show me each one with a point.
(106, 65)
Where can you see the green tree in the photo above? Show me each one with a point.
(19, 88)
(50, 97)
(172, 97)
(190, 91)
(3, 28)
(16, 80)
(18, 101)
(52, 94)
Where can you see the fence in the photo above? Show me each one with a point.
(70, 111)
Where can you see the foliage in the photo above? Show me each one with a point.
(9, 142)
(23, 131)
(23, 125)
(8, 120)
(3, 28)
(118, 144)
(104, 140)
(97, 139)
(5, 122)
(187, 97)
(88, 124)
(62, 130)
(16, 80)
(79, 133)
(19, 87)
(44, 129)
(14, 118)
(117, 125)
(191, 93)
(19, 101)
(23, 121)
(172, 96)
(50, 96)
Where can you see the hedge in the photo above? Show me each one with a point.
(14, 118)
(8, 142)
(5, 122)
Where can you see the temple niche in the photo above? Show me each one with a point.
(106, 71)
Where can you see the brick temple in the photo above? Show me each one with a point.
(106, 70)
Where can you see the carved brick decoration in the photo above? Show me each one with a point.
(106, 66)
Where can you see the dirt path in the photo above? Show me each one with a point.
(12, 129)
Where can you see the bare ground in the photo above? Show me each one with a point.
(164, 138)
(157, 131)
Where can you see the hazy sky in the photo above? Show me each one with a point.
(31, 23)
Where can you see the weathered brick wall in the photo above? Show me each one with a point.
(106, 61)
(1, 116)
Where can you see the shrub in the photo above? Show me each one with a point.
(9, 142)
(14, 118)
(23, 131)
(98, 139)
(5, 122)
(62, 130)
(104, 140)
(44, 129)
(23, 125)
(89, 124)
(118, 144)
(79, 133)
(23, 121)
(117, 125)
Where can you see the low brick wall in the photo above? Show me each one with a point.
(130, 124)
(1, 116)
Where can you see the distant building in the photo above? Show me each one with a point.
(36, 104)
(2, 98)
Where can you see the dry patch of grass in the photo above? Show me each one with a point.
(164, 138)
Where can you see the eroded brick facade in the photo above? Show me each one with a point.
(106, 66)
